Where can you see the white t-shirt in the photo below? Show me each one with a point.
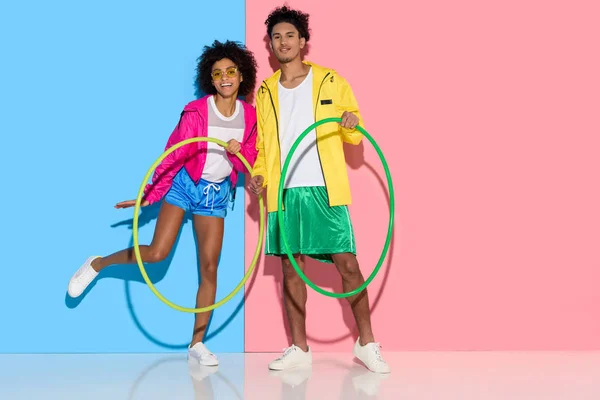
(296, 109)
(218, 167)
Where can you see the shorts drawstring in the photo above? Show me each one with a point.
(206, 192)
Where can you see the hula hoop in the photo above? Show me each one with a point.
(280, 212)
(136, 245)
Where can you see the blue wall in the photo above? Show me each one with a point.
(89, 93)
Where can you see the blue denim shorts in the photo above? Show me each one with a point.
(206, 198)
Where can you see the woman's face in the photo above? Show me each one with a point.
(226, 78)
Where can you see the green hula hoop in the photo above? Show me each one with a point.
(136, 241)
(280, 211)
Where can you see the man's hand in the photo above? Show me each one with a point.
(233, 146)
(349, 120)
(256, 184)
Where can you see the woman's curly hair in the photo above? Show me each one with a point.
(236, 52)
(291, 16)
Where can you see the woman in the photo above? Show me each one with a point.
(198, 177)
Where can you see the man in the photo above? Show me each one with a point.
(317, 190)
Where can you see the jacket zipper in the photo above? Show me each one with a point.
(276, 123)
(316, 144)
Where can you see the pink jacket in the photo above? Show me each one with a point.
(192, 123)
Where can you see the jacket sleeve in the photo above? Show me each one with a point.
(260, 165)
(172, 164)
(347, 102)
(248, 150)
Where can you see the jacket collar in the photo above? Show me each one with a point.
(319, 73)
(201, 106)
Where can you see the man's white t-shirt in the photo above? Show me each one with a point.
(296, 110)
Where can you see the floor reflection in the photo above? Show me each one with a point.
(441, 376)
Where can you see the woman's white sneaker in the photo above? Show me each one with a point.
(82, 278)
(370, 355)
(200, 353)
(292, 357)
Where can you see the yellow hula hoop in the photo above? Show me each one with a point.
(136, 245)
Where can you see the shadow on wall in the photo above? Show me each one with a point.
(156, 272)
(327, 276)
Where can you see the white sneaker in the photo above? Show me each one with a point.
(292, 357)
(370, 355)
(82, 278)
(200, 354)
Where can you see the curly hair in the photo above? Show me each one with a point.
(294, 17)
(236, 52)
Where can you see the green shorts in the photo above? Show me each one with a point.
(312, 227)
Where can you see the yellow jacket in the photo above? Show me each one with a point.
(332, 95)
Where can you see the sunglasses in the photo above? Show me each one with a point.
(217, 74)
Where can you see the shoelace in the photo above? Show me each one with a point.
(84, 272)
(378, 356)
(204, 352)
(200, 349)
(287, 352)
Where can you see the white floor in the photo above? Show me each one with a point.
(465, 376)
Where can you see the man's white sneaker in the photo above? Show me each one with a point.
(370, 355)
(200, 354)
(82, 278)
(292, 357)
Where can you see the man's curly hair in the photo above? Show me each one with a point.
(294, 17)
(236, 52)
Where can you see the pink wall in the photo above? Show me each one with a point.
(488, 116)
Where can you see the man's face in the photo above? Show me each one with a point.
(286, 42)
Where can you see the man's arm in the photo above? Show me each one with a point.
(347, 108)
